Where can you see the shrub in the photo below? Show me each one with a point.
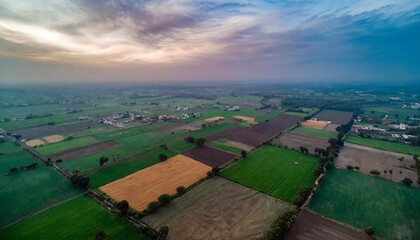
(407, 181)
(375, 172)
(164, 199)
(180, 190)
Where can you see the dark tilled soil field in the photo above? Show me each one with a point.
(263, 132)
(336, 117)
(295, 140)
(228, 132)
(310, 226)
(83, 151)
(209, 156)
(46, 130)
(218, 209)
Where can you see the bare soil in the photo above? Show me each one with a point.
(83, 151)
(214, 119)
(315, 124)
(331, 127)
(368, 159)
(218, 209)
(145, 186)
(34, 142)
(209, 156)
(310, 226)
(53, 138)
(250, 120)
(296, 140)
(336, 117)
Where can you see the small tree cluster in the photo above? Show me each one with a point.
(280, 227)
(163, 157)
(79, 181)
(200, 141)
(103, 160)
(14, 170)
(180, 190)
(303, 150)
(407, 181)
(190, 139)
(303, 194)
(375, 172)
(122, 206)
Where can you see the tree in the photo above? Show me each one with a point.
(163, 232)
(100, 235)
(401, 159)
(164, 199)
(303, 149)
(180, 190)
(162, 157)
(200, 141)
(152, 206)
(369, 231)
(215, 170)
(123, 206)
(190, 139)
(103, 160)
(243, 154)
(13, 170)
(407, 181)
(375, 172)
(79, 181)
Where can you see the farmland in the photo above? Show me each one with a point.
(336, 117)
(384, 145)
(162, 178)
(231, 149)
(83, 215)
(126, 167)
(83, 151)
(278, 172)
(31, 190)
(386, 163)
(295, 141)
(316, 132)
(310, 226)
(46, 130)
(209, 156)
(237, 212)
(51, 149)
(391, 209)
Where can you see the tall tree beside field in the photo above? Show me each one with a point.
(123, 206)
(162, 157)
(243, 154)
(103, 160)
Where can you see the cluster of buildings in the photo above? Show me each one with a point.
(232, 108)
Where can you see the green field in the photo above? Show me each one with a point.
(272, 170)
(231, 149)
(392, 209)
(390, 111)
(54, 148)
(384, 145)
(211, 130)
(79, 218)
(316, 132)
(26, 192)
(127, 167)
(8, 147)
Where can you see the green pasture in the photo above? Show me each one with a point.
(316, 132)
(384, 145)
(54, 148)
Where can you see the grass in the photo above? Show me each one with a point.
(127, 167)
(9, 147)
(264, 117)
(384, 145)
(15, 159)
(392, 209)
(226, 148)
(273, 171)
(54, 148)
(316, 132)
(26, 192)
(211, 130)
(79, 218)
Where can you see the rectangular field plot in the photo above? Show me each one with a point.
(50, 149)
(368, 159)
(83, 151)
(315, 132)
(295, 140)
(145, 186)
(384, 145)
(9, 147)
(79, 218)
(218, 209)
(126, 167)
(275, 171)
(336, 117)
(391, 209)
(310, 226)
(45, 130)
(225, 147)
(209, 156)
(27, 192)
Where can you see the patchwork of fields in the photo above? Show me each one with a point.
(278, 172)
(218, 209)
(316, 132)
(296, 140)
(391, 209)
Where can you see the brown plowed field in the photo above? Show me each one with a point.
(218, 209)
(83, 151)
(214, 119)
(34, 142)
(53, 138)
(45, 130)
(260, 133)
(374, 159)
(209, 156)
(295, 140)
(310, 226)
(315, 124)
(250, 120)
(331, 127)
(336, 117)
(145, 186)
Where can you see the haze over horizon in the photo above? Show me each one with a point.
(185, 40)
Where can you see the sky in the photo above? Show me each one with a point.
(103, 41)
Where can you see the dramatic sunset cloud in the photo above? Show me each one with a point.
(208, 40)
